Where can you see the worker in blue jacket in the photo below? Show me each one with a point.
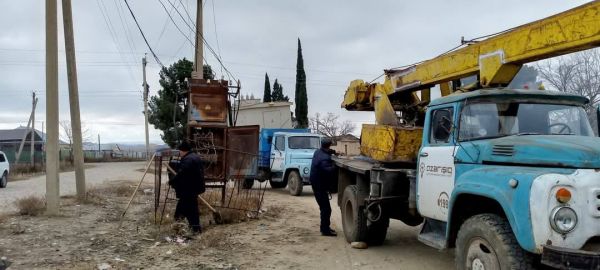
(322, 173)
(188, 184)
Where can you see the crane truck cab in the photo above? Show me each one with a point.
(285, 157)
(502, 175)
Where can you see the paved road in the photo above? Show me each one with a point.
(98, 174)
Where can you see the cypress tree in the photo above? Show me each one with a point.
(278, 92)
(267, 93)
(301, 97)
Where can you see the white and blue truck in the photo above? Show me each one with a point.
(285, 156)
(509, 178)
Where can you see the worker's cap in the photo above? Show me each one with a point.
(326, 142)
(184, 146)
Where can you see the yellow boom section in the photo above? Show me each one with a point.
(498, 59)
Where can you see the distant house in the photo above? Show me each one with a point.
(347, 145)
(252, 111)
(10, 140)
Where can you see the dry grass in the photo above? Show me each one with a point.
(274, 211)
(4, 218)
(30, 205)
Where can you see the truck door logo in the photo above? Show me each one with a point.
(442, 203)
(435, 170)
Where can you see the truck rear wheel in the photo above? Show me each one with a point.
(274, 184)
(354, 220)
(295, 183)
(248, 183)
(486, 241)
(377, 231)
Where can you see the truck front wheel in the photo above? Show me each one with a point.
(295, 183)
(486, 241)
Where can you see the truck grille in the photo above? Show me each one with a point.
(503, 150)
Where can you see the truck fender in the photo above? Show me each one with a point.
(489, 196)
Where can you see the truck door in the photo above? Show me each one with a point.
(278, 154)
(435, 180)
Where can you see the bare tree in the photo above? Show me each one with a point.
(330, 125)
(578, 73)
(67, 133)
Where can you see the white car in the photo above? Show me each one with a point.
(4, 169)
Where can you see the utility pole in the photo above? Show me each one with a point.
(198, 72)
(18, 156)
(74, 99)
(144, 63)
(32, 153)
(99, 148)
(52, 179)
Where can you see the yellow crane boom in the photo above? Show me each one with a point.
(495, 61)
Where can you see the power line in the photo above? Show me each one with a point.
(215, 25)
(205, 42)
(112, 32)
(144, 36)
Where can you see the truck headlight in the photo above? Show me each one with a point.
(306, 170)
(563, 219)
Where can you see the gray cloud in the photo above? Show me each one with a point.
(341, 40)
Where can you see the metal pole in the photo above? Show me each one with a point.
(74, 99)
(52, 178)
(199, 57)
(144, 63)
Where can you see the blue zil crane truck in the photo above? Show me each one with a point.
(284, 158)
(509, 178)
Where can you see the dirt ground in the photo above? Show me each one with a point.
(285, 236)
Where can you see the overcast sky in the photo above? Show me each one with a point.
(341, 41)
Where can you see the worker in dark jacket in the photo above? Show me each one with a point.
(322, 172)
(188, 184)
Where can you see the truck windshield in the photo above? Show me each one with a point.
(304, 142)
(483, 120)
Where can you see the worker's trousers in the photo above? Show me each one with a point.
(187, 207)
(322, 197)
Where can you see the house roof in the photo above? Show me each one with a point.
(7, 135)
(345, 137)
(17, 134)
(265, 105)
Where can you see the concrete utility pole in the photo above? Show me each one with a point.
(32, 153)
(52, 163)
(74, 99)
(144, 63)
(198, 72)
(18, 156)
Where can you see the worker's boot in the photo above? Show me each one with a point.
(330, 232)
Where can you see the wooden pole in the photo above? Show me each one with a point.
(32, 150)
(18, 156)
(136, 190)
